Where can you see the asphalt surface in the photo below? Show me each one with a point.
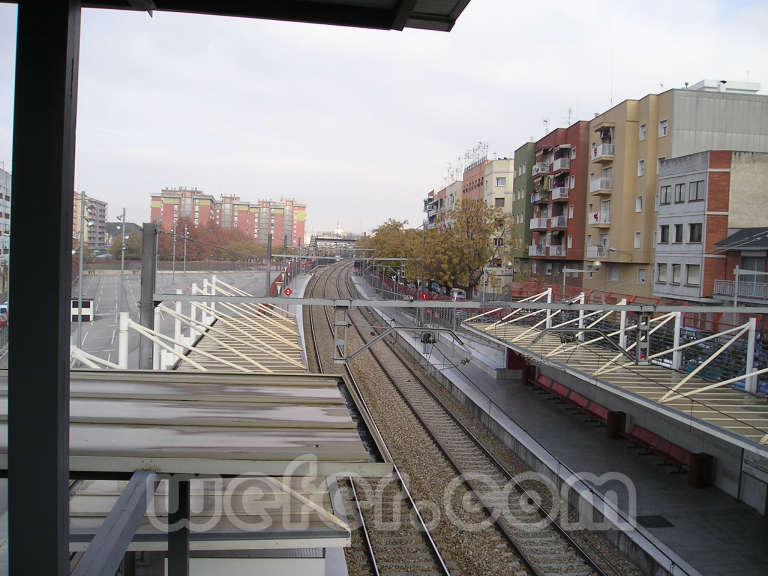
(100, 337)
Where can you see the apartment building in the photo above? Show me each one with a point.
(5, 223)
(256, 220)
(498, 185)
(704, 199)
(558, 199)
(627, 146)
(473, 186)
(95, 221)
(522, 209)
(173, 204)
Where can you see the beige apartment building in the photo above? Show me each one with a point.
(499, 193)
(627, 146)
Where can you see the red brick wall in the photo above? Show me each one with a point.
(719, 159)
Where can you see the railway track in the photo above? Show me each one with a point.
(523, 535)
(390, 536)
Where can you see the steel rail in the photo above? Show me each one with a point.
(424, 530)
(523, 492)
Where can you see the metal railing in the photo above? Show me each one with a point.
(540, 168)
(596, 252)
(558, 221)
(560, 193)
(604, 150)
(538, 223)
(748, 290)
(557, 250)
(540, 196)
(561, 164)
(537, 250)
(602, 218)
(600, 183)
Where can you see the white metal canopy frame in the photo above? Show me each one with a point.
(44, 124)
(581, 346)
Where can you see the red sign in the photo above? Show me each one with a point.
(287, 291)
(424, 296)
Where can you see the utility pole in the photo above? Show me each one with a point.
(122, 265)
(173, 261)
(185, 247)
(80, 281)
(147, 304)
(269, 263)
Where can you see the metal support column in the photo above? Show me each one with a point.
(44, 117)
(269, 264)
(623, 327)
(751, 383)
(549, 312)
(340, 325)
(676, 355)
(643, 347)
(146, 302)
(178, 527)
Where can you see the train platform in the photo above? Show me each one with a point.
(706, 530)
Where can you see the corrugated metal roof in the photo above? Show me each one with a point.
(203, 422)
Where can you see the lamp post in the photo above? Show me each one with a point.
(80, 279)
(122, 262)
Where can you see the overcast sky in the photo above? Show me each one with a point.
(360, 124)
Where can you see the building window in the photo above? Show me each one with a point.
(663, 128)
(665, 193)
(573, 182)
(501, 181)
(678, 233)
(680, 193)
(693, 274)
(641, 276)
(661, 273)
(694, 233)
(664, 234)
(573, 153)
(570, 211)
(613, 274)
(548, 269)
(499, 202)
(643, 134)
(641, 167)
(639, 204)
(637, 239)
(675, 273)
(659, 164)
(696, 191)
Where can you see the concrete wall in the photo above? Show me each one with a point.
(749, 184)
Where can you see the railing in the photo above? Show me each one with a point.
(540, 168)
(540, 196)
(602, 218)
(560, 193)
(562, 164)
(558, 222)
(557, 250)
(747, 289)
(604, 150)
(596, 252)
(597, 184)
(537, 250)
(537, 223)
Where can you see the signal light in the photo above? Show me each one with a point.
(424, 296)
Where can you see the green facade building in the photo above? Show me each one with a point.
(522, 210)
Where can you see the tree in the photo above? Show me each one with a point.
(132, 246)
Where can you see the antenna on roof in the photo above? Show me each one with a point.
(546, 126)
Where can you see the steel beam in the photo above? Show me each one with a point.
(47, 57)
(178, 527)
(106, 550)
(146, 301)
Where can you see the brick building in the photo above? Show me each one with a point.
(559, 201)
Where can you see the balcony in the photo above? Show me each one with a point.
(557, 251)
(596, 252)
(540, 168)
(561, 164)
(558, 222)
(540, 197)
(601, 185)
(560, 193)
(537, 250)
(539, 223)
(748, 291)
(601, 219)
(602, 152)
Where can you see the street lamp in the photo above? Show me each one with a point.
(122, 262)
(80, 281)
(595, 266)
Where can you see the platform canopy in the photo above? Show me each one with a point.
(438, 15)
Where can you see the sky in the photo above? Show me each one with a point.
(361, 124)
